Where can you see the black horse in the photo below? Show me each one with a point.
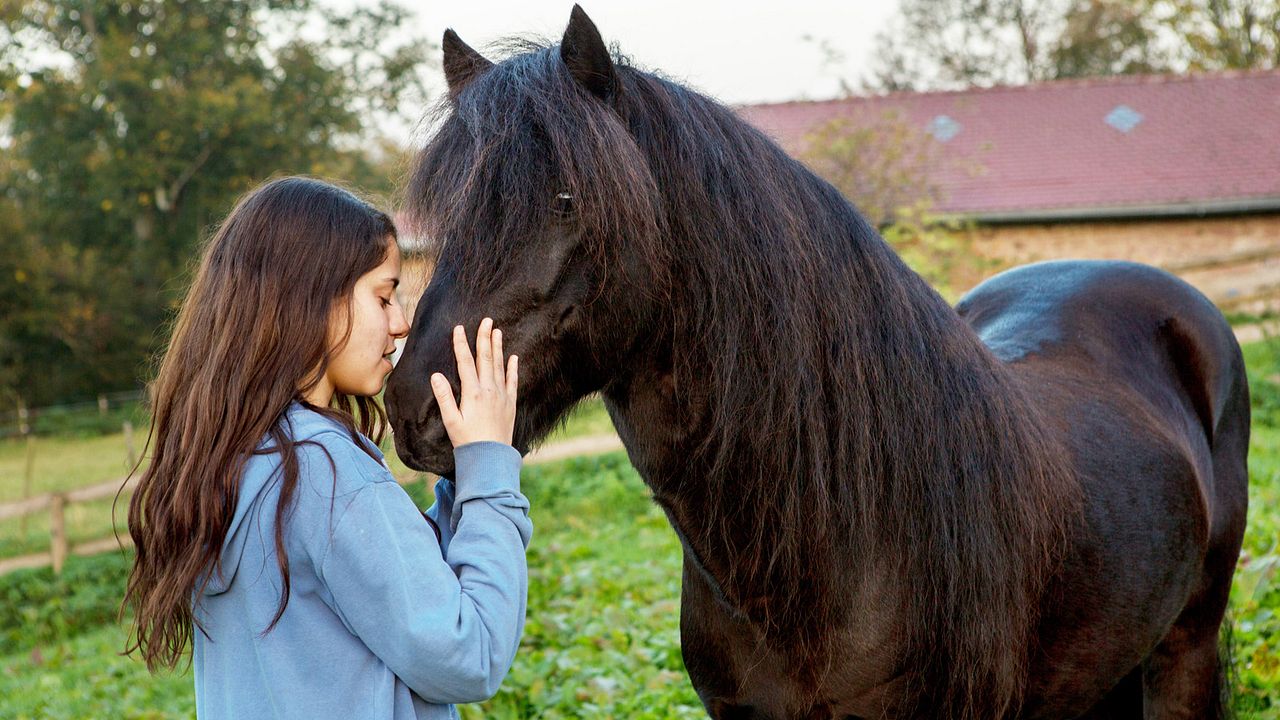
(1029, 506)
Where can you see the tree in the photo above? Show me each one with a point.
(1227, 34)
(132, 126)
(950, 44)
(884, 165)
(1108, 37)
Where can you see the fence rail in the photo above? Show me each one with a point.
(19, 420)
(56, 505)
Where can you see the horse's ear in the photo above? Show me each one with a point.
(462, 64)
(583, 51)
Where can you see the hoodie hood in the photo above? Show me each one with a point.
(259, 482)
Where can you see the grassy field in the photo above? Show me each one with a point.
(601, 640)
(602, 637)
(67, 462)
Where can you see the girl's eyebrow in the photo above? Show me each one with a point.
(395, 282)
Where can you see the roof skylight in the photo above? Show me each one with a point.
(943, 127)
(1123, 118)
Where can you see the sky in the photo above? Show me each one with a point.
(742, 51)
(739, 52)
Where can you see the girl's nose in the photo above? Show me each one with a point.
(399, 326)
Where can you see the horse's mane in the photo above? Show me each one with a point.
(852, 417)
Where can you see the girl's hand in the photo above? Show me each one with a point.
(488, 410)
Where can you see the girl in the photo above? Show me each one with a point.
(270, 534)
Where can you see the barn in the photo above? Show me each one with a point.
(1182, 172)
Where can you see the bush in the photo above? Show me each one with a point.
(40, 608)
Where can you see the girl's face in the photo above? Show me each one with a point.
(377, 321)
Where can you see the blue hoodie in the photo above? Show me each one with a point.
(384, 621)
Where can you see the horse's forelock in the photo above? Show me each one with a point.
(484, 185)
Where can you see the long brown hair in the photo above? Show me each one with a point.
(252, 336)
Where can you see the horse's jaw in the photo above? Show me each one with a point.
(423, 457)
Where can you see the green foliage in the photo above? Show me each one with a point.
(38, 608)
(131, 127)
(1255, 591)
(601, 639)
(71, 329)
(1225, 34)
(86, 677)
(947, 44)
(958, 43)
(1263, 362)
(883, 165)
(1106, 37)
(935, 247)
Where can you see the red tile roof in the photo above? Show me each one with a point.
(1204, 143)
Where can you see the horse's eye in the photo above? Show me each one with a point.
(564, 204)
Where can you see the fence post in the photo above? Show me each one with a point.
(102, 404)
(23, 426)
(58, 532)
(27, 475)
(130, 454)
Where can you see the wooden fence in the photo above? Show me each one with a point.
(56, 505)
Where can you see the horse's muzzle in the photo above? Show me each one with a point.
(421, 440)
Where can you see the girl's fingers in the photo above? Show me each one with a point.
(513, 378)
(499, 375)
(444, 399)
(484, 353)
(466, 363)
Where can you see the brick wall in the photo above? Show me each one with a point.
(1234, 260)
(1157, 242)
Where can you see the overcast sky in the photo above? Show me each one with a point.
(739, 51)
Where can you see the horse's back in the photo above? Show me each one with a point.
(1121, 322)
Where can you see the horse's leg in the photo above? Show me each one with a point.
(1123, 702)
(1185, 675)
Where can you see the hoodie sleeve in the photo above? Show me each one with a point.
(441, 512)
(448, 629)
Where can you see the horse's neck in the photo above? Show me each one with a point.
(664, 425)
